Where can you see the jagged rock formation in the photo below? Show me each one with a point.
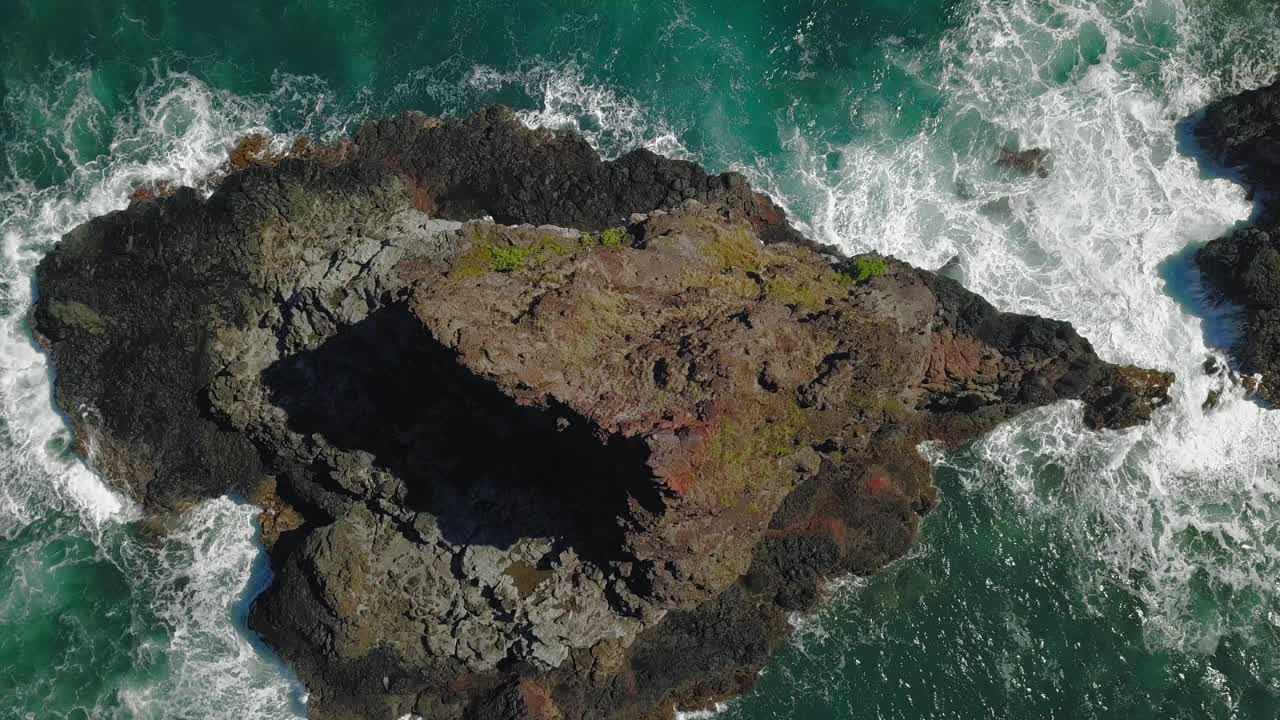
(575, 461)
(1243, 133)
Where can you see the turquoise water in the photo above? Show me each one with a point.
(1066, 574)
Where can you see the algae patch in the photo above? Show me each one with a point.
(78, 315)
(864, 268)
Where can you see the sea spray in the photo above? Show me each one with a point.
(169, 617)
(1170, 527)
(1088, 244)
(201, 577)
(612, 122)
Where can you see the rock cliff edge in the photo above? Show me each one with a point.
(1242, 133)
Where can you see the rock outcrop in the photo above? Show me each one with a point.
(1242, 133)
(535, 435)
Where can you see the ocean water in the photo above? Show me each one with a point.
(1067, 574)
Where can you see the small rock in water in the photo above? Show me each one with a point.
(1212, 401)
(151, 190)
(952, 269)
(1251, 384)
(999, 210)
(1032, 160)
(249, 151)
(1212, 366)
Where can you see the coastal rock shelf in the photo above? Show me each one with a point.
(535, 435)
(1243, 133)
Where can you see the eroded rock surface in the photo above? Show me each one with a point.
(578, 460)
(1243, 133)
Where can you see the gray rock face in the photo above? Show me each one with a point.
(383, 586)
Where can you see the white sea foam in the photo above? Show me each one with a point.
(701, 714)
(201, 576)
(1188, 504)
(177, 137)
(197, 574)
(611, 121)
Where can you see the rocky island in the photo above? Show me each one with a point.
(1242, 134)
(535, 435)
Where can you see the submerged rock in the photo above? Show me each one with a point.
(1243, 133)
(579, 461)
(953, 268)
(1032, 161)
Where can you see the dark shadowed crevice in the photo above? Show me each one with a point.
(490, 470)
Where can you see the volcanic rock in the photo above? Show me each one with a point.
(1243, 133)
(536, 435)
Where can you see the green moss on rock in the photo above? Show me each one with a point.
(610, 239)
(863, 269)
(808, 291)
(489, 257)
(510, 259)
(78, 315)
